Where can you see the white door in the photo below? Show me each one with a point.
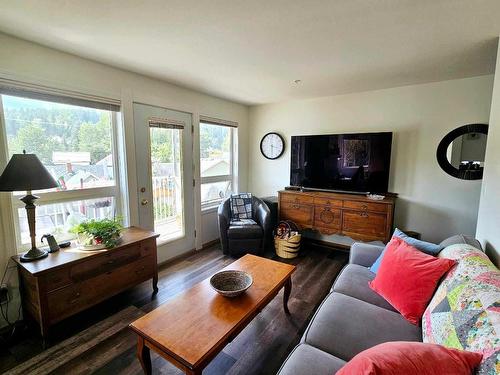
(164, 157)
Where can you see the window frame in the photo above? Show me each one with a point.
(233, 165)
(54, 197)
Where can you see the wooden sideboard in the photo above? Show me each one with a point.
(350, 215)
(71, 280)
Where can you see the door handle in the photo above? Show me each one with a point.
(144, 202)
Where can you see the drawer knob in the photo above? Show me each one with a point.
(296, 206)
(363, 214)
(364, 207)
(75, 299)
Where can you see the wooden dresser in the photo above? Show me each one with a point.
(71, 280)
(350, 215)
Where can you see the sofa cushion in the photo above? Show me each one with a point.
(345, 326)
(465, 310)
(353, 281)
(407, 278)
(305, 360)
(244, 231)
(461, 239)
(412, 358)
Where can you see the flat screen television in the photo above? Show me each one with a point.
(342, 162)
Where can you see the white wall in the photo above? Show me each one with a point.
(488, 223)
(430, 201)
(28, 62)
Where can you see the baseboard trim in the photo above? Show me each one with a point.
(187, 254)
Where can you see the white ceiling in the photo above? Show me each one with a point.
(251, 51)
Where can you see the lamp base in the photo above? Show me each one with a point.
(33, 254)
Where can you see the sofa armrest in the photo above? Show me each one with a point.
(364, 254)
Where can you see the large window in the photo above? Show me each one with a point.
(218, 144)
(76, 144)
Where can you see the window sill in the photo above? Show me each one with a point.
(209, 209)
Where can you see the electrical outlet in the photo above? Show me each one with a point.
(4, 294)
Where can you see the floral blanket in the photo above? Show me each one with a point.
(464, 313)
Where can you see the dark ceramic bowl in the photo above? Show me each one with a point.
(231, 283)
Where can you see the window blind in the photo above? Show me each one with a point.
(38, 92)
(216, 121)
(165, 123)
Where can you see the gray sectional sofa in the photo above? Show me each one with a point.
(352, 318)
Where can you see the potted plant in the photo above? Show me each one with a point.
(98, 234)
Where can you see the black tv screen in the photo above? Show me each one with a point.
(342, 162)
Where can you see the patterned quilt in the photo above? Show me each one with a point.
(465, 310)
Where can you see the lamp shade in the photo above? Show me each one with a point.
(26, 172)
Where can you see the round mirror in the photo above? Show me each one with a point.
(461, 152)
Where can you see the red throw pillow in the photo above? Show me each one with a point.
(411, 358)
(407, 278)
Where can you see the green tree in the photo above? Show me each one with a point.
(32, 138)
(161, 145)
(96, 138)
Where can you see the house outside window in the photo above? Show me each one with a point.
(77, 145)
(218, 165)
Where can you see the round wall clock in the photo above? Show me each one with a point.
(272, 145)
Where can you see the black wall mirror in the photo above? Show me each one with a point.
(461, 152)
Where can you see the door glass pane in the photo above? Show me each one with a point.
(74, 143)
(166, 171)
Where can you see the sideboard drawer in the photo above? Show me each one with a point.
(296, 198)
(326, 217)
(327, 202)
(105, 262)
(301, 214)
(148, 247)
(57, 279)
(78, 296)
(365, 223)
(366, 206)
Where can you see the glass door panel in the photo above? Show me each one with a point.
(167, 182)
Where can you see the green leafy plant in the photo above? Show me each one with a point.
(105, 231)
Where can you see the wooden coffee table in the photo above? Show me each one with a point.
(190, 330)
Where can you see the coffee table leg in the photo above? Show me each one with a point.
(286, 294)
(144, 356)
(194, 372)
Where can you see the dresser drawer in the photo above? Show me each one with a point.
(296, 198)
(366, 206)
(327, 201)
(327, 217)
(367, 224)
(148, 248)
(57, 279)
(76, 297)
(301, 214)
(105, 262)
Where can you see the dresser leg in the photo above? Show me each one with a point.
(155, 284)
(144, 356)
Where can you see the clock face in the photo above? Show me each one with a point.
(272, 145)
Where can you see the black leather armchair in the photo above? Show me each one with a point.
(247, 238)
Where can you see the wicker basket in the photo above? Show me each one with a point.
(287, 248)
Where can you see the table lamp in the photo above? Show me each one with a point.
(25, 172)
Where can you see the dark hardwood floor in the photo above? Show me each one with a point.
(259, 349)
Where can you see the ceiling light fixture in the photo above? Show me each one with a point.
(297, 81)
